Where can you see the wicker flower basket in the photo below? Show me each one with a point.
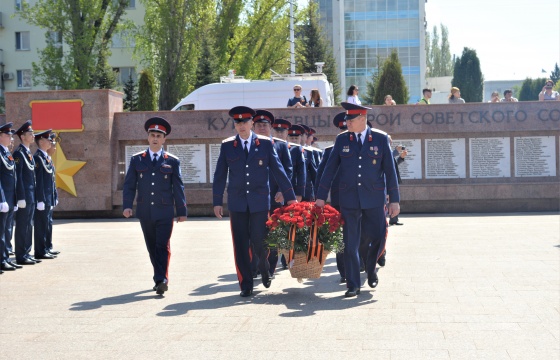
(301, 269)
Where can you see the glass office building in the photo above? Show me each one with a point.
(363, 31)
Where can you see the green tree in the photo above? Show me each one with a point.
(391, 81)
(147, 100)
(468, 77)
(170, 47)
(438, 54)
(2, 105)
(107, 78)
(86, 28)
(130, 102)
(313, 46)
(555, 74)
(530, 89)
(207, 69)
(369, 97)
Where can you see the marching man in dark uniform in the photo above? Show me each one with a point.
(263, 122)
(7, 192)
(299, 174)
(248, 158)
(156, 176)
(46, 195)
(25, 189)
(364, 161)
(340, 122)
(296, 133)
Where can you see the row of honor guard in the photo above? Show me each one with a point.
(27, 197)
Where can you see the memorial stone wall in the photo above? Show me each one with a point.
(477, 157)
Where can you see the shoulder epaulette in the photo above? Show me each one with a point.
(308, 148)
(262, 137)
(342, 133)
(316, 149)
(330, 146)
(171, 155)
(378, 131)
(294, 144)
(140, 153)
(279, 140)
(231, 138)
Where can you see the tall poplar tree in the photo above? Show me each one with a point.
(86, 28)
(391, 81)
(468, 77)
(438, 54)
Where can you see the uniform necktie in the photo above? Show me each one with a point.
(246, 149)
(360, 141)
(154, 161)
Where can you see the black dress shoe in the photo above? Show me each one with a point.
(14, 264)
(7, 267)
(352, 292)
(53, 252)
(46, 256)
(342, 280)
(34, 260)
(372, 279)
(397, 223)
(161, 287)
(246, 293)
(10, 252)
(266, 280)
(25, 262)
(381, 260)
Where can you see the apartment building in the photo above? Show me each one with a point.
(20, 42)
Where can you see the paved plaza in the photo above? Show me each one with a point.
(476, 286)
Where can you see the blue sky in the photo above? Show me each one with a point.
(514, 39)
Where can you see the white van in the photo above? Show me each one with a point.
(270, 94)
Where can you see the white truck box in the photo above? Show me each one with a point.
(257, 94)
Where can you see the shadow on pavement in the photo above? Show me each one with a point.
(114, 300)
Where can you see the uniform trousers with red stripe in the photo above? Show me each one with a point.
(248, 228)
(157, 234)
(362, 226)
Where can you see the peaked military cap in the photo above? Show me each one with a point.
(353, 110)
(312, 131)
(339, 121)
(26, 127)
(306, 128)
(157, 124)
(281, 124)
(7, 128)
(43, 134)
(296, 130)
(263, 116)
(241, 113)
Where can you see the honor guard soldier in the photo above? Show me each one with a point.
(364, 161)
(245, 162)
(339, 122)
(48, 241)
(25, 190)
(317, 153)
(281, 127)
(155, 175)
(297, 135)
(263, 121)
(46, 195)
(7, 192)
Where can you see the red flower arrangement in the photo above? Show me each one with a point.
(304, 227)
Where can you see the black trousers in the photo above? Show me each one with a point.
(248, 231)
(157, 235)
(23, 233)
(40, 230)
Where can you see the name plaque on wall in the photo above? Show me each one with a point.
(445, 158)
(535, 156)
(411, 167)
(489, 157)
(193, 162)
(213, 158)
(131, 150)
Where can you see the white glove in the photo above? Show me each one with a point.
(41, 206)
(52, 207)
(4, 207)
(21, 204)
(55, 202)
(15, 207)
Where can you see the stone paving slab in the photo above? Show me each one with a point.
(462, 286)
